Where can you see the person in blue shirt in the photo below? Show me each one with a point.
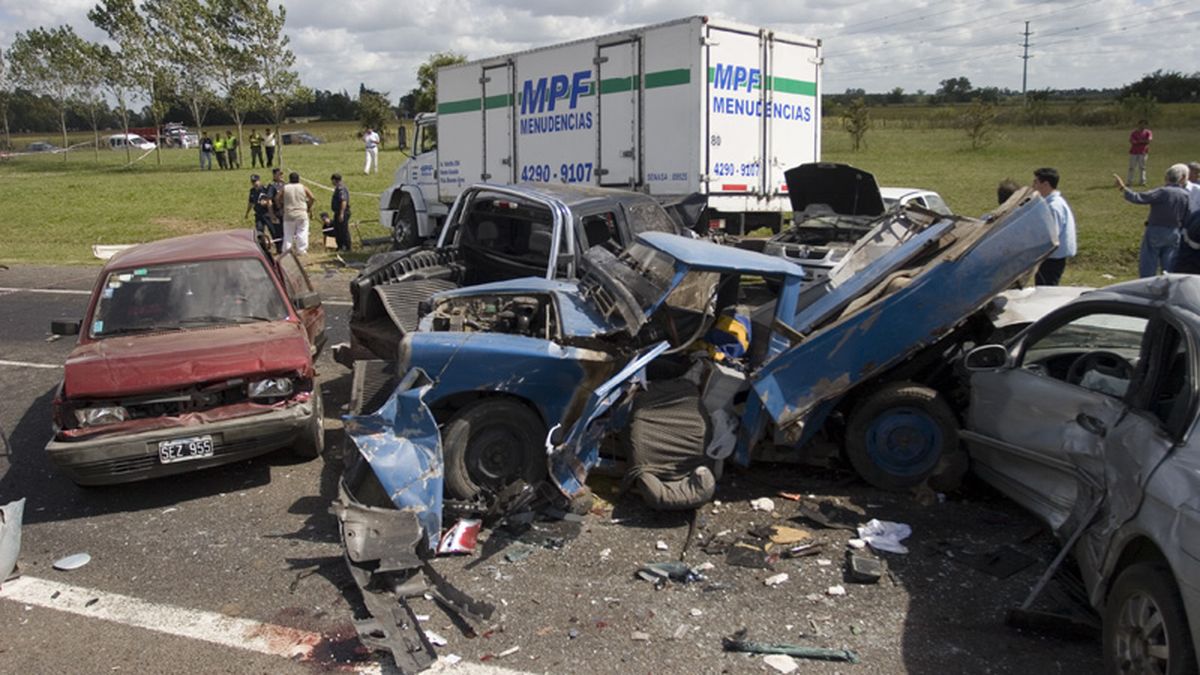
(1168, 211)
(1049, 273)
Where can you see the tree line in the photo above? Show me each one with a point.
(201, 55)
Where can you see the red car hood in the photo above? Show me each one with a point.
(140, 364)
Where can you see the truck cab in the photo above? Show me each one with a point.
(411, 205)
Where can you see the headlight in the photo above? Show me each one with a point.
(92, 417)
(272, 387)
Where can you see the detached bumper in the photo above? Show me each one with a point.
(107, 460)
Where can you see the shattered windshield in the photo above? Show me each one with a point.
(186, 295)
(653, 271)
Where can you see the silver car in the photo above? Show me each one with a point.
(1088, 419)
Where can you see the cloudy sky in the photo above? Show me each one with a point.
(875, 45)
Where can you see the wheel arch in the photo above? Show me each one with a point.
(444, 408)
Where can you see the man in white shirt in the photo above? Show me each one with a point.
(371, 141)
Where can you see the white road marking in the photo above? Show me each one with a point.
(211, 627)
(28, 364)
(59, 291)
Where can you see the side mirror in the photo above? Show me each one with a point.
(61, 327)
(402, 138)
(986, 358)
(308, 300)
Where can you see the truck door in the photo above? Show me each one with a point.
(498, 124)
(618, 70)
(736, 106)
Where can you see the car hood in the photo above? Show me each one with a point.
(844, 189)
(138, 364)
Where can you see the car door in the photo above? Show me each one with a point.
(298, 285)
(1080, 412)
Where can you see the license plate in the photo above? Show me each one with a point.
(183, 449)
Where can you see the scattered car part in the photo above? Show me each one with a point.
(10, 536)
(72, 562)
(739, 643)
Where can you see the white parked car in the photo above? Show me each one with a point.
(925, 198)
(119, 141)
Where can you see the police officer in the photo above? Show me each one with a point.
(260, 204)
(274, 210)
(256, 146)
(340, 206)
(219, 150)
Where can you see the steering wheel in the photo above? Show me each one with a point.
(1103, 362)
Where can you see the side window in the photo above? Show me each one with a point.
(1099, 351)
(1170, 396)
(647, 217)
(428, 140)
(294, 278)
(600, 229)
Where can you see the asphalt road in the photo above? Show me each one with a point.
(239, 569)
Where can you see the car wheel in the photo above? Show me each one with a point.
(1145, 628)
(901, 435)
(491, 444)
(405, 232)
(311, 443)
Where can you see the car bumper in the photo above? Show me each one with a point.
(125, 458)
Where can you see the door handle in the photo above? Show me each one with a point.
(1091, 424)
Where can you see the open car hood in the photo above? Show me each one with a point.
(844, 189)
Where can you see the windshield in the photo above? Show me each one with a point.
(186, 295)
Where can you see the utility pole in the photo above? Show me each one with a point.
(1025, 67)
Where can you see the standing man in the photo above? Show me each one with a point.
(1139, 147)
(339, 205)
(270, 198)
(1168, 211)
(371, 142)
(269, 144)
(1049, 273)
(256, 145)
(1193, 186)
(296, 203)
(231, 146)
(206, 152)
(219, 150)
(262, 212)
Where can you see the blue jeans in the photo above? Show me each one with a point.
(1159, 245)
(205, 160)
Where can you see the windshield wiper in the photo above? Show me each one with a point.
(127, 330)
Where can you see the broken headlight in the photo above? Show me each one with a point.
(94, 417)
(271, 387)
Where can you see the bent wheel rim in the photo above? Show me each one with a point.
(494, 456)
(904, 441)
(1141, 636)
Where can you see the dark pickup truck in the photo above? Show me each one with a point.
(494, 233)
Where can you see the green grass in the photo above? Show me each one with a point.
(55, 210)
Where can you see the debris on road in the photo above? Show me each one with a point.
(781, 662)
(461, 537)
(863, 570)
(775, 580)
(836, 591)
(762, 504)
(884, 535)
(739, 643)
(72, 562)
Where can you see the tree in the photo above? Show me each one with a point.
(980, 121)
(276, 85)
(49, 61)
(857, 120)
(1166, 87)
(955, 89)
(1139, 107)
(140, 52)
(896, 95)
(6, 95)
(374, 110)
(90, 89)
(184, 27)
(425, 94)
(118, 82)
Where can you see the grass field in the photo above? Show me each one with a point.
(54, 210)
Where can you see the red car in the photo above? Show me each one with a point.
(195, 351)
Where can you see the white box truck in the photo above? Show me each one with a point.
(692, 106)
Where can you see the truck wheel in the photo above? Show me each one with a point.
(899, 435)
(491, 444)
(1145, 628)
(405, 230)
(311, 443)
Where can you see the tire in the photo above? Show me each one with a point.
(490, 444)
(901, 435)
(1144, 612)
(311, 443)
(405, 230)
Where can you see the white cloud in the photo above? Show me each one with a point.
(871, 44)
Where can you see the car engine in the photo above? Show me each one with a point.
(528, 315)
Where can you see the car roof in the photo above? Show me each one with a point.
(1177, 291)
(204, 246)
(705, 255)
(576, 196)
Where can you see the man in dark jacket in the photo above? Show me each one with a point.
(339, 206)
(274, 214)
(206, 152)
(261, 207)
(1168, 211)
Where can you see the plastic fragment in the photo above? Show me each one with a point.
(72, 562)
(661, 545)
(639, 636)
(775, 580)
(435, 639)
(836, 590)
(781, 662)
(508, 652)
(762, 504)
